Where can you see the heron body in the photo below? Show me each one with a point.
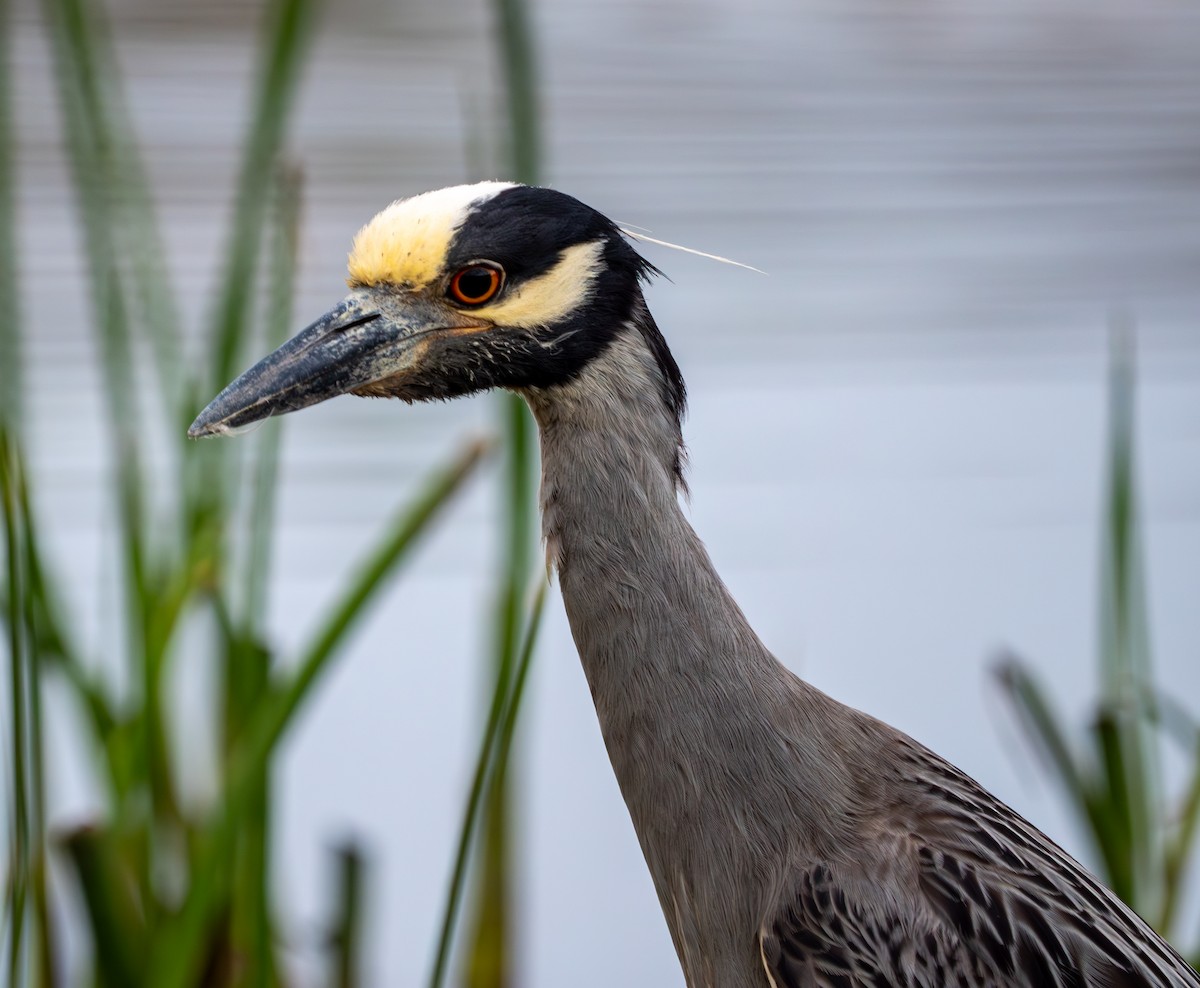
(794, 842)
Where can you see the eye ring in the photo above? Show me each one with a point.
(476, 283)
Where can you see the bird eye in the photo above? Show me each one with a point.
(477, 284)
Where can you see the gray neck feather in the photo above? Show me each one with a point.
(690, 703)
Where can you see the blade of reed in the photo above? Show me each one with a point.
(247, 664)
(250, 916)
(488, 962)
(14, 595)
(1144, 846)
(1115, 825)
(85, 83)
(45, 960)
(76, 34)
(209, 478)
(46, 627)
(177, 950)
(1128, 746)
(379, 566)
(10, 308)
(490, 765)
(488, 951)
(26, 889)
(1107, 792)
(1041, 725)
(50, 631)
(117, 917)
(1076, 780)
(289, 29)
(267, 198)
(519, 58)
(346, 931)
(282, 277)
(1181, 847)
(135, 229)
(209, 470)
(20, 853)
(121, 180)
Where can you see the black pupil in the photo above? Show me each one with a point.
(475, 283)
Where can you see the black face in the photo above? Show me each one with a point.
(525, 230)
(471, 328)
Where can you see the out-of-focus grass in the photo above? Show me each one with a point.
(1113, 778)
(487, 954)
(174, 897)
(10, 316)
(25, 940)
(27, 932)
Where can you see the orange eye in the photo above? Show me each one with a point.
(477, 284)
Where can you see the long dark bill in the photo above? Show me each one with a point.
(350, 346)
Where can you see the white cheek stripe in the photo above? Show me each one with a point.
(552, 296)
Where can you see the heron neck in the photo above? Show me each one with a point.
(719, 750)
(610, 506)
(668, 654)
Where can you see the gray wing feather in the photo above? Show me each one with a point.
(994, 904)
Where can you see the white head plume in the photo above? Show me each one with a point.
(635, 234)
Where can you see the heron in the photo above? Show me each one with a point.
(793, 841)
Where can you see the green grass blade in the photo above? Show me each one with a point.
(135, 229)
(1041, 725)
(489, 962)
(1117, 791)
(1118, 825)
(289, 27)
(99, 158)
(1180, 848)
(246, 922)
(116, 917)
(45, 959)
(54, 635)
(518, 55)
(1089, 801)
(99, 123)
(10, 308)
(494, 871)
(1124, 639)
(251, 922)
(515, 42)
(209, 480)
(26, 889)
(246, 668)
(380, 564)
(54, 652)
(21, 852)
(345, 933)
(260, 518)
(1131, 756)
(488, 778)
(82, 86)
(466, 833)
(75, 30)
(49, 631)
(177, 951)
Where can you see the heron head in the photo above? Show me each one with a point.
(456, 291)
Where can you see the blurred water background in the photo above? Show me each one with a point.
(896, 435)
